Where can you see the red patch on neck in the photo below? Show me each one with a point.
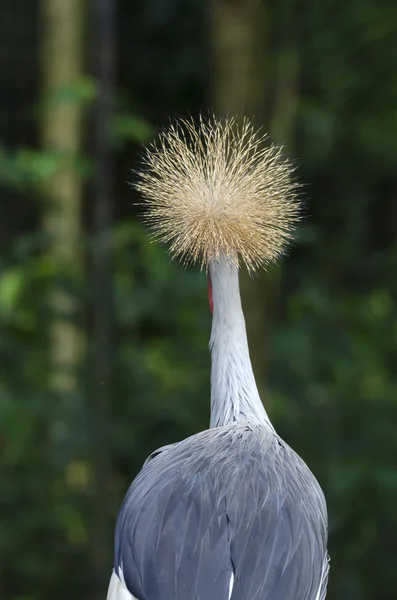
(210, 300)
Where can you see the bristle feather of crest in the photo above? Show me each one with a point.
(218, 189)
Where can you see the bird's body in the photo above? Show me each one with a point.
(231, 513)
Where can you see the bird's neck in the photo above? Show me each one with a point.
(234, 394)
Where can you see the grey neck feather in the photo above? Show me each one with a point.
(234, 395)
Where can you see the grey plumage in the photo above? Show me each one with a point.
(235, 500)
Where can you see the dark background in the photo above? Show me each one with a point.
(103, 342)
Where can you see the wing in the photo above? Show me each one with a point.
(172, 532)
(220, 516)
(278, 529)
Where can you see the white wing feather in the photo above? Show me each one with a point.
(322, 591)
(117, 589)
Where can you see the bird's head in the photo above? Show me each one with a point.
(219, 190)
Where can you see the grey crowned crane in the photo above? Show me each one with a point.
(231, 513)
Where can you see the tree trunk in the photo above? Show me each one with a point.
(285, 95)
(239, 78)
(62, 24)
(101, 298)
(241, 86)
(238, 57)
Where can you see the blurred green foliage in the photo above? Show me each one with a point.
(332, 345)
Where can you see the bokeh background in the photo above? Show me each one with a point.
(103, 341)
